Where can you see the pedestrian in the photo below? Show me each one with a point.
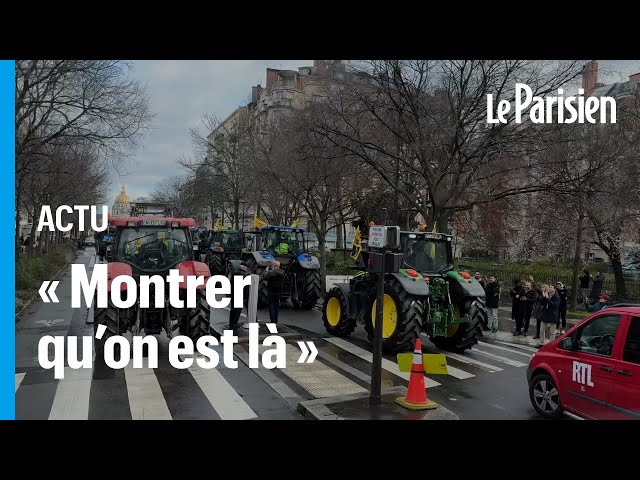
(538, 307)
(517, 307)
(563, 293)
(235, 312)
(530, 298)
(585, 280)
(478, 277)
(550, 303)
(275, 279)
(492, 292)
(599, 305)
(515, 283)
(596, 285)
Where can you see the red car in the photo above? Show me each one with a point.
(593, 370)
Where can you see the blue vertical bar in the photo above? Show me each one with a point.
(7, 240)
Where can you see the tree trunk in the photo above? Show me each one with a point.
(616, 264)
(321, 235)
(17, 245)
(577, 257)
(339, 236)
(344, 235)
(33, 235)
(236, 213)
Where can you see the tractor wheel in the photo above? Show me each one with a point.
(400, 321)
(310, 290)
(216, 264)
(109, 317)
(463, 336)
(334, 314)
(198, 323)
(254, 269)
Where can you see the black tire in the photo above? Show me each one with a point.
(403, 338)
(345, 325)
(467, 334)
(109, 317)
(198, 323)
(539, 384)
(309, 289)
(254, 269)
(216, 264)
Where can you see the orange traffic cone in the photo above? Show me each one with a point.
(416, 398)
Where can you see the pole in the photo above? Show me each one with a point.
(252, 306)
(375, 398)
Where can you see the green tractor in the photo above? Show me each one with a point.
(224, 245)
(426, 295)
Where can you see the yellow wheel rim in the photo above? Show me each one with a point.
(389, 316)
(451, 331)
(333, 311)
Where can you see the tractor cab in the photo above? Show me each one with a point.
(230, 241)
(283, 241)
(427, 253)
(151, 244)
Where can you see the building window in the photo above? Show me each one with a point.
(279, 96)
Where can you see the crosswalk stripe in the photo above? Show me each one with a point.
(317, 378)
(227, 403)
(146, 400)
(508, 361)
(19, 378)
(473, 361)
(517, 345)
(71, 401)
(510, 350)
(388, 365)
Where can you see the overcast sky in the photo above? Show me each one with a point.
(183, 91)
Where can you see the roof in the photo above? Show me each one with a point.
(617, 89)
(122, 221)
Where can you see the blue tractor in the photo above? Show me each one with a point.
(302, 283)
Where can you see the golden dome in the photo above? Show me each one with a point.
(122, 196)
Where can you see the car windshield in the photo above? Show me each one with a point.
(424, 254)
(153, 249)
(284, 242)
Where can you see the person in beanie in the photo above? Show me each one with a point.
(562, 311)
(599, 305)
(550, 303)
(492, 292)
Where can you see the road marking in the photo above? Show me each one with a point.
(50, 323)
(473, 361)
(506, 360)
(517, 345)
(510, 350)
(227, 403)
(317, 378)
(146, 400)
(19, 378)
(71, 401)
(388, 365)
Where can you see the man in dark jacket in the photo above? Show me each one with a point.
(275, 279)
(550, 303)
(235, 312)
(599, 305)
(492, 292)
(562, 311)
(529, 297)
(596, 285)
(585, 280)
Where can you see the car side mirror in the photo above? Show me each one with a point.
(567, 344)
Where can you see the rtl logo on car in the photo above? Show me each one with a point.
(582, 373)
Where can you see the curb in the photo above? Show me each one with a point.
(32, 299)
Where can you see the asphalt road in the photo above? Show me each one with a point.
(487, 382)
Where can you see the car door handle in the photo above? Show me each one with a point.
(604, 368)
(624, 372)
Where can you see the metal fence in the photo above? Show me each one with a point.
(506, 275)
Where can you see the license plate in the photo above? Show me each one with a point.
(152, 223)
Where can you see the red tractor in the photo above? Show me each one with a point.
(153, 246)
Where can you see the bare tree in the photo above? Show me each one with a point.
(178, 193)
(430, 117)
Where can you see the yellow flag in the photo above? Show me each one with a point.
(356, 243)
(433, 363)
(295, 223)
(257, 223)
